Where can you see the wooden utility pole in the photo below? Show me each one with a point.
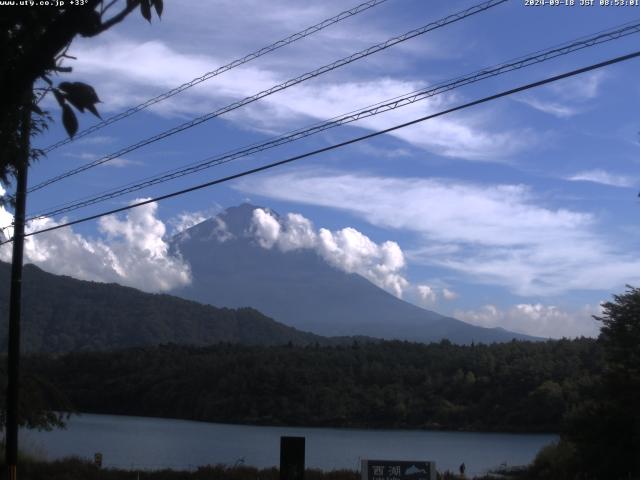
(15, 298)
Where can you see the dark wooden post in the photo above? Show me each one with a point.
(15, 298)
(291, 458)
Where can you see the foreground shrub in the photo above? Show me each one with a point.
(557, 461)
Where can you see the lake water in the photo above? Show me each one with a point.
(153, 443)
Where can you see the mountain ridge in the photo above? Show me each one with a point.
(63, 314)
(300, 289)
(260, 296)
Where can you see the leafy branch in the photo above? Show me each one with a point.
(34, 45)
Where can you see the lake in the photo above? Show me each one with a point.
(154, 443)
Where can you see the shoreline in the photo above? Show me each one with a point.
(431, 428)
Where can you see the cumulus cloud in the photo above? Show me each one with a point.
(603, 177)
(536, 319)
(346, 249)
(427, 294)
(494, 234)
(267, 228)
(6, 219)
(132, 251)
(298, 234)
(356, 253)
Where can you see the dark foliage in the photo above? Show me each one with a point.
(77, 469)
(41, 406)
(517, 386)
(605, 426)
(554, 462)
(33, 47)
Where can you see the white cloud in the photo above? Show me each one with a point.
(567, 97)
(445, 210)
(463, 137)
(346, 249)
(449, 294)
(122, 69)
(356, 253)
(132, 252)
(118, 162)
(298, 234)
(221, 230)
(267, 228)
(122, 162)
(126, 72)
(291, 233)
(553, 108)
(603, 177)
(582, 88)
(96, 140)
(82, 155)
(6, 219)
(536, 319)
(495, 234)
(427, 294)
(270, 21)
(186, 220)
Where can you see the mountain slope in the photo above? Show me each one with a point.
(64, 314)
(300, 289)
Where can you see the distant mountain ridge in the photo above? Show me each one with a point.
(62, 314)
(299, 289)
(232, 271)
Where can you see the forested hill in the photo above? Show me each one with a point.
(62, 314)
(515, 386)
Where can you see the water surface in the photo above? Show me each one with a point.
(153, 443)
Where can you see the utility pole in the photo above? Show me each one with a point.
(15, 298)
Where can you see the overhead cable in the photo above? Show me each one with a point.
(387, 105)
(269, 166)
(277, 88)
(235, 63)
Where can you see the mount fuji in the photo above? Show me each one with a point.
(230, 268)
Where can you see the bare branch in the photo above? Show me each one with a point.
(43, 94)
(63, 53)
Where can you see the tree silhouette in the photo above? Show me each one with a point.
(34, 40)
(606, 427)
(33, 46)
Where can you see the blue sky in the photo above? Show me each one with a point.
(520, 213)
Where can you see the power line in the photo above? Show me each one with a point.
(289, 83)
(342, 144)
(235, 63)
(372, 110)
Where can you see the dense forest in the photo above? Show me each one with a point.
(516, 386)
